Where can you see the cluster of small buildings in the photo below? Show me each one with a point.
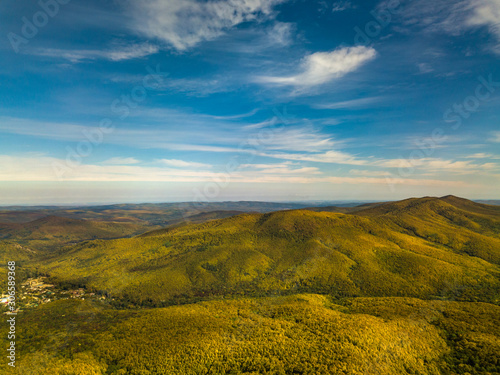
(77, 293)
(35, 292)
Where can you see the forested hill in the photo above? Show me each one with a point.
(50, 232)
(427, 248)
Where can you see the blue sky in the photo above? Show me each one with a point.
(179, 100)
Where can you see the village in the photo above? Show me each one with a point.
(36, 291)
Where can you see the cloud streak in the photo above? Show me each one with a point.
(340, 6)
(351, 104)
(293, 143)
(128, 52)
(41, 168)
(453, 17)
(183, 164)
(121, 161)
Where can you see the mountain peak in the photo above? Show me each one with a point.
(453, 198)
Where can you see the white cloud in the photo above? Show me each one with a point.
(129, 52)
(480, 155)
(457, 166)
(355, 103)
(330, 121)
(291, 143)
(285, 168)
(182, 128)
(323, 67)
(280, 34)
(332, 157)
(219, 134)
(183, 164)
(418, 166)
(436, 165)
(121, 161)
(367, 173)
(198, 87)
(299, 139)
(425, 68)
(45, 168)
(487, 13)
(496, 136)
(394, 181)
(237, 117)
(262, 124)
(340, 6)
(185, 23)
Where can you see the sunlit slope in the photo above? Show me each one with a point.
(52, 231)
(413, 251)
(450, 223)
(301, 334)
(22, 255)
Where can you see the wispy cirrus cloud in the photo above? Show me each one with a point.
(286, 168)
(183, 164)
(183, 24)
(452, 17)
(238, 116)
(301, 138)
(424, 165)
(128, 52)
(221, 137)
(322, 67)
(200, 87)
(351, 104)
(340, 6)
(291, 144)
(425, 68)
(437, 165)
(328, 157)
(280, 34)
(368, 173)
(121, 161)
(41, 168)
(432, 16)
(480, 155)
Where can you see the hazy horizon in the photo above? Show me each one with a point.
(159, 202)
